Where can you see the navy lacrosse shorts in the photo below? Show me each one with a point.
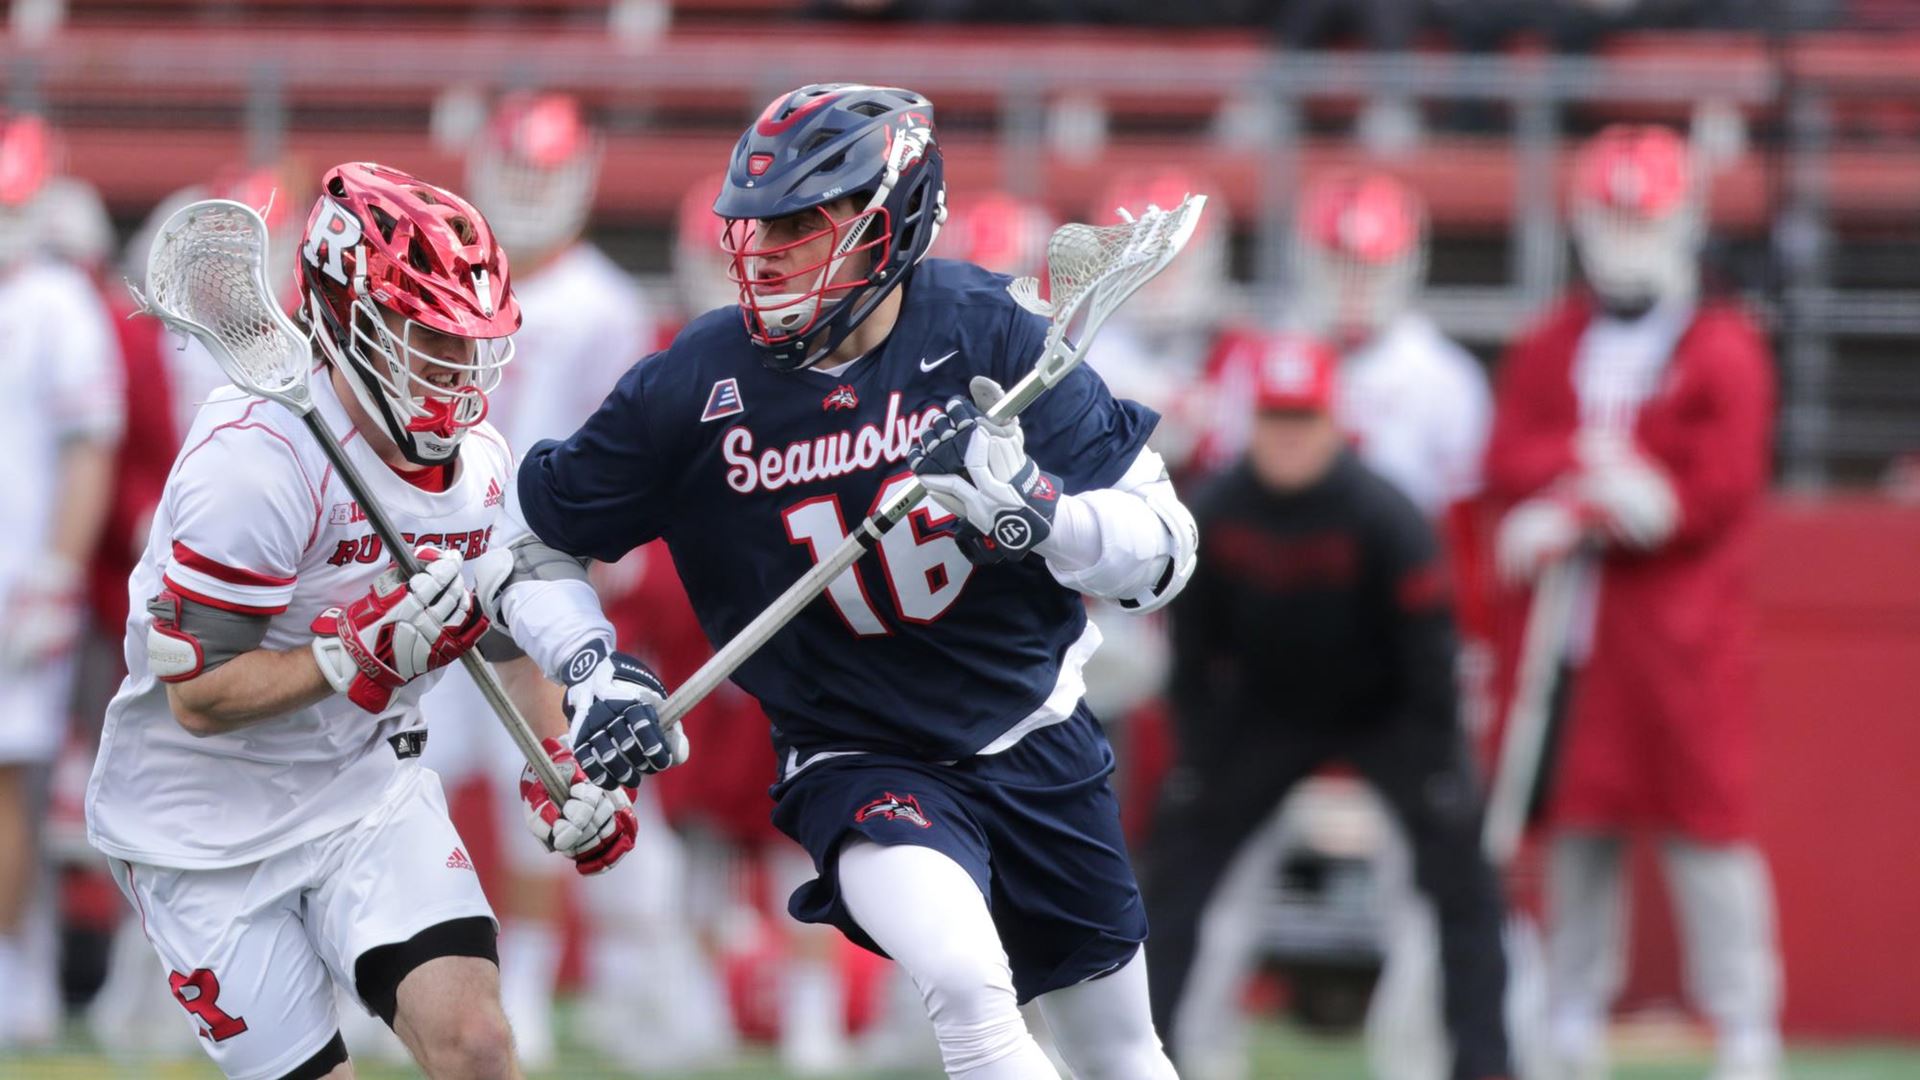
(1037, 827)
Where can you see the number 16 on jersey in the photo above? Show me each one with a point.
(924, 568)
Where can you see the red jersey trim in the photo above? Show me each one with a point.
(216, 602)
(232, 575)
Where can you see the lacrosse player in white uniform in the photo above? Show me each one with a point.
(258, 787)
(60, 417)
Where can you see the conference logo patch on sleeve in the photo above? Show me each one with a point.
(723, 400)
(893, 807)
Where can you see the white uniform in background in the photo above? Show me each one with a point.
(1418, 407)
(60, 381)
(264, 861)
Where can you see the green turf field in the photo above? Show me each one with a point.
(1282, 1053)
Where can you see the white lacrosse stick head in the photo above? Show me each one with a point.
(207, 276)
(1096, 267)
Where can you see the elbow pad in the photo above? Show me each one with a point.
(187, 638)
(1145, 558)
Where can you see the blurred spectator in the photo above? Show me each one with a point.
(1317, 629)
(60, 384)
(1631, 446)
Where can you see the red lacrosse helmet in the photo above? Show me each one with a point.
(533, 171)
(1359, 253)
(382, 242)
(27, 152)
(1003, 233)
(1188, 294)
(1638, 219)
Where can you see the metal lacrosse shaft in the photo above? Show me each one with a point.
(482, 672)
(1054, 366)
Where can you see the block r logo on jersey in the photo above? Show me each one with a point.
(723, 400)
(894, 807)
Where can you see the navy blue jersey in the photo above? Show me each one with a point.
(751, 474)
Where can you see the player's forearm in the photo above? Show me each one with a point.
(1133, 543)
(538, 698)
(84, 479)
(254, 686)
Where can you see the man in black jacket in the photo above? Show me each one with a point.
(1317, 628)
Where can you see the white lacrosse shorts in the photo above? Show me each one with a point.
(33, 711)
(254, 951)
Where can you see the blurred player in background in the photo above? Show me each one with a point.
(60, 387)
(533, 172)
(1318, 630)
(1631, 441)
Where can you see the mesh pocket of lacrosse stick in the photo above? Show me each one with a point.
(206, 276)
(1080, 257)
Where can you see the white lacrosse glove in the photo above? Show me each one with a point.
(594, 828)
(1534, 534)
(1630, 494)
(398, 631)
(613, 701)
(978, 469)
(42, 616)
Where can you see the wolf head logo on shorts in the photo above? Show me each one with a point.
(892, 807)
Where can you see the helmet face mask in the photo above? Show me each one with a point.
(788, 306)
(808, 150)
(405, 291)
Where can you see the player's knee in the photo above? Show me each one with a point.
(970, 999)
(472, 1045)
(1127, 1052)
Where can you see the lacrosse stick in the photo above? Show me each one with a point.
(206, 276)
(1522, 745)
(1091, 269)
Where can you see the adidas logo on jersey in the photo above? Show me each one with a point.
(494, 496)
(459, 861)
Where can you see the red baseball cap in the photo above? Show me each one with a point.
(1296, 374)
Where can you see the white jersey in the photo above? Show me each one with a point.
(254, 519)
(1417, 406)
(583, 324)
(60, 379)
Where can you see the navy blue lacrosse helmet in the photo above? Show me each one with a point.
(809, 148)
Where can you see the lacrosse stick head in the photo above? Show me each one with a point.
(1092, 269)
(206, 277)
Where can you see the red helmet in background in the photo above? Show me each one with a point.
(1189, 294)
(1359, 253)
(28, 155)
(1638, 219)
(381, 241)
(701, 265)
(1003, 233)
(534, 170)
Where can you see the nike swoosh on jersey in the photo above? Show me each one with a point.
(925, 365)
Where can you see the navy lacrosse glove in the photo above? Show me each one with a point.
(613, 702)
(978, 469)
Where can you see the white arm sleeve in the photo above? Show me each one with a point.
(1133, 543)
(239, 510)
(550, 616)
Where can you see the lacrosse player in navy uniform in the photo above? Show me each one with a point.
(936, 760)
